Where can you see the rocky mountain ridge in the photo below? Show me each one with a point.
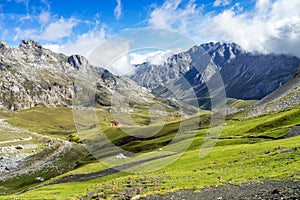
(246, 75)
(31, 75)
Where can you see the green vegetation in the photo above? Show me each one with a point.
(238, 103)
(248, 150)
(56, 121)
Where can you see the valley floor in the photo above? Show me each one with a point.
(252, 157)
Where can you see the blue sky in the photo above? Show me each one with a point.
(80, 26)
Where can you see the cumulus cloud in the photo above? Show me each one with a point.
(155, 58)
(58, 30)
(221, 3)
(114, 57)
(271, 26)
(83, 44)
(24, 33)
(44, 17)
(118, 10)
(171, 15)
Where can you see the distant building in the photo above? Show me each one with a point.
(115, 124)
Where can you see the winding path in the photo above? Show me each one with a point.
(93, 175)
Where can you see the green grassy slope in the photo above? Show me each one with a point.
(235, 164)
(248, 150)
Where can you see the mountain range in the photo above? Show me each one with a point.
(85, 131)
(246, 75)
(32, 75)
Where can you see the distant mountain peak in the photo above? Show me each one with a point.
(212, 47)
(246, 75)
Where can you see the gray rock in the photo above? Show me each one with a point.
(32, 75)
(245, 75)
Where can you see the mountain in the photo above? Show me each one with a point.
(31, 75)
(246, 75)
(151, 76)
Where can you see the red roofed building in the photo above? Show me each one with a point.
(115, 124)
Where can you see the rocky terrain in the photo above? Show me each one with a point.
(250, 191)
(22, 155)
(31, 75)
(13, 152)
(286, 96)
(246, 75)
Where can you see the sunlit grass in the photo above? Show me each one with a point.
(247, 150)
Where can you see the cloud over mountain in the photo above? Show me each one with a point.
(270, 26)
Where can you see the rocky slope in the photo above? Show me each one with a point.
(31, 75)
(286, 96)
(151, 76)
(245, 75)
(267, 190)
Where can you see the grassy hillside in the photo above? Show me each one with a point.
(247, 150)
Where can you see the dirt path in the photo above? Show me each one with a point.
(94, 175)
(106, 172)
(266, 190)
(15, 140)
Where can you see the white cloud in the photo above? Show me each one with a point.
(24, 34)
(114, 57)
(155, 58)
(221, 3)
(58, 30)
(170, 15)
(84, 44)
(25, 18)
(118, 10)
(54, 47)
(44, 17)
(46, 3)
(271, 26)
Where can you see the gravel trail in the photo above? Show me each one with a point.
(266, 190)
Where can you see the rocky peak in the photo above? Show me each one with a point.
(221, 47)
(30, 44)
(78, 62)
(209, 46)
(3, 45)
(3, 48)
